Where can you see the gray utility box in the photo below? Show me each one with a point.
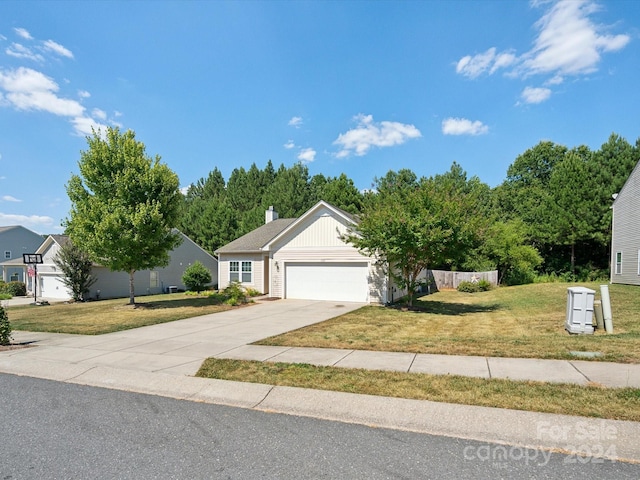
(579, 310)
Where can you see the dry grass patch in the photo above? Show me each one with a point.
(105, 316)
(524, 321)
(591, 401)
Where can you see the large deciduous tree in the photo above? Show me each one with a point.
(124, 205)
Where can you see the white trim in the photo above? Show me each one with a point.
(639, 261)
(240, 272)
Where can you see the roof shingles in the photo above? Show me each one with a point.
(258, 238)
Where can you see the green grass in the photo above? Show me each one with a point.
(524, 321)
(589, 401)
(105, 316)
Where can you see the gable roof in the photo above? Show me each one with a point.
(258, 238)
(346, 215)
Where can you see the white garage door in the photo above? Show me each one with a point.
(345, 282)
(51, 286)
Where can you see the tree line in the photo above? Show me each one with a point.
(551, 215)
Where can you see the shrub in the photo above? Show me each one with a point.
(196, 277)
(468, 287)
(5, 327)
(473, 287)
(252, 292)
(235, 294)
(15, 289)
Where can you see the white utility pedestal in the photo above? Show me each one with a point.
(579, 310)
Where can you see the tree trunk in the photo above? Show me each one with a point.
(573, 259)
(132, 300)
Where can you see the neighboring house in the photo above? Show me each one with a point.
(304, 258)
(14, 241)
(116, 284)
(625, 233)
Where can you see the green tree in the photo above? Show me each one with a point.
(76, 265)
(572, 204)
(504, 247)
(340, 192)
(525, 192)
(196, 277)
(412, 225)
(124, 205)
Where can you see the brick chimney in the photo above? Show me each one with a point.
(270, 215)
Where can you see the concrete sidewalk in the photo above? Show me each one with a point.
(555, 371)
(160, 360)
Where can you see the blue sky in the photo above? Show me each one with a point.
(354, 87)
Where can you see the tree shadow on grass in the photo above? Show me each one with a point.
(447, 308)
(194, 302)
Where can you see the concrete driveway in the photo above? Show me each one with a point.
(179, 347)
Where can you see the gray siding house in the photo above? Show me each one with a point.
(14, 241)
(116, 284)
(625, 236)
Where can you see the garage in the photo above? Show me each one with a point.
(346, 282)
(51, 286)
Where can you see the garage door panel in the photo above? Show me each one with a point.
(346, 282)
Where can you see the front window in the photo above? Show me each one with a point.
(240, 271)
(246, 272)
(618, 263)
(153, 279)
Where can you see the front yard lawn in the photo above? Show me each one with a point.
(524, 321)
(105, 316)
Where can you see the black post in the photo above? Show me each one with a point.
(35, 283)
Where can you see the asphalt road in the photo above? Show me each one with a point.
(51, 430)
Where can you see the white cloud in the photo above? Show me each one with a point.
(568, 42)
(84, 126)
(29, 221)
(2, 37)
(83, 94)
(18, 50)
(99, 114)
(58, 49)
(369, 134)
(307, 155)
(9, 198)
(28, 89)
(21, 32)
(289, 145)
(535, 95)
(462, 126)
(295, 122)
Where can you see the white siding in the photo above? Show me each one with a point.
(626, 231)
(257, 277)
(317, 239)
